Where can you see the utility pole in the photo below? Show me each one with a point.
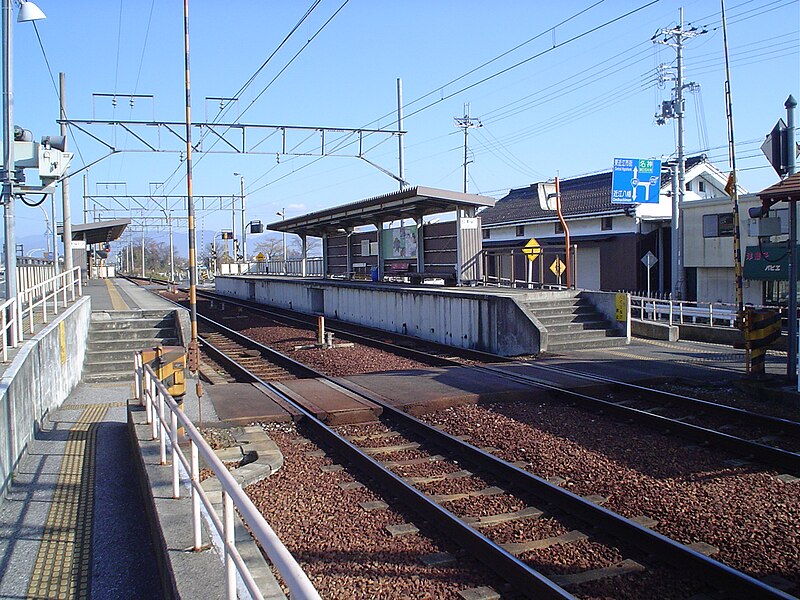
(400, 160)
(66, 233)
(674, 109)
(466, 123)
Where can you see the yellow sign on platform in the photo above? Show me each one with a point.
(260, 257)
(532, 249)
(558, 267)
(621, 307)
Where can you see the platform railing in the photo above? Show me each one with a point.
(38, 296)
(680, 312)
(32, 299)
(165, 418)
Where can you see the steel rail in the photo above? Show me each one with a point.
(718, 409)
(503, 562)
(768, 454)
(526, 579)
(659, 545)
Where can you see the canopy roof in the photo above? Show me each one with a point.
(408, 203)
(98, 232)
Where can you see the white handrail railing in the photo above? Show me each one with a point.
(32, 297)
(165, 417)
(682, 311)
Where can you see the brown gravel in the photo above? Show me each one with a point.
(745, 511)
(344, 549)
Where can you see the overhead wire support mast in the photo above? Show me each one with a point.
(466, 123)
(674, 109)
(236, 138)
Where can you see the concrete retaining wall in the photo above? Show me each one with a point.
(485, 322)
(39, 378)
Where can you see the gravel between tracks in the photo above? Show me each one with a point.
(345, 549)
(745, 511)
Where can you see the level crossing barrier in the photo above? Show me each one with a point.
(166, 418)
(42, 297)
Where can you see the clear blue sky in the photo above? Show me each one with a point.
(569, 110)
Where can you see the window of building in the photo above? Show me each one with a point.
(719, 225)
(559, 228)
(486, 234)
(606, 223)
(520, 231)
(701, 185)
(688, 186)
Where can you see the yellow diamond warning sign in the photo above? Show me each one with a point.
(532, 249)
(558, 267)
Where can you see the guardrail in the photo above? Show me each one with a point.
(679, 312)
(30, 300)
(165, 418)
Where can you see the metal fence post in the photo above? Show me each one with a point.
(162, 434)
(173, 434)
(198, 539)
(230, 567)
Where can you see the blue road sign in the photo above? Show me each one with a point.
(635, 180)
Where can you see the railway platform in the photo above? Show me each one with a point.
(74, 519)
(72, 522)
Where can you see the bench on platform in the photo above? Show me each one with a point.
(448, 276)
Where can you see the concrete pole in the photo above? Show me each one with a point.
(233, 228)
(171, 249)
(66, 233)
(400, 163)
(681, 275)
(244, 220)
(10, 257)
(791, 165)
(142, 250)
(675, 238)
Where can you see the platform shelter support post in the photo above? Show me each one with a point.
(348, 239)
(303, 255)
(379, 227)
(420, 244)
(325, 255)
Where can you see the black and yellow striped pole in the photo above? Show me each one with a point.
(761, 328)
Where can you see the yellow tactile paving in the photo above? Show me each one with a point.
(83, 406)
(62, 567)
(117, 303)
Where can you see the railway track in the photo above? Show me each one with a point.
(638, 548)
(771, 440)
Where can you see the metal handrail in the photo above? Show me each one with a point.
(11, 327)
(39, 294)
(165, 417)
(683, 311)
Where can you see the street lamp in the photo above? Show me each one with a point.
(282, 215)
(244, 220)
(28, 11)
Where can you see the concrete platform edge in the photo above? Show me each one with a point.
(184, 574)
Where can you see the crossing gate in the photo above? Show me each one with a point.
(761, 327)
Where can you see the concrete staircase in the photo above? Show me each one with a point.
(572, 322)
(115, 335)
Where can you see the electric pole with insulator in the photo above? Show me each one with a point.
(674, 109)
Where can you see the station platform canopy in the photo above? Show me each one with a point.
(408, 203)
(99, 232)
(448, 251)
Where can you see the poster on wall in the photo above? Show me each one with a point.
(400, 242)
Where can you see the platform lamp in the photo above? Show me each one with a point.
(282, 214)
(28, 11)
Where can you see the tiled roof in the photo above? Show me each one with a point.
(590, 194)
(788, 189)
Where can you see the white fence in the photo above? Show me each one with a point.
(45, 298)
(679, 312)
(165, 417)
